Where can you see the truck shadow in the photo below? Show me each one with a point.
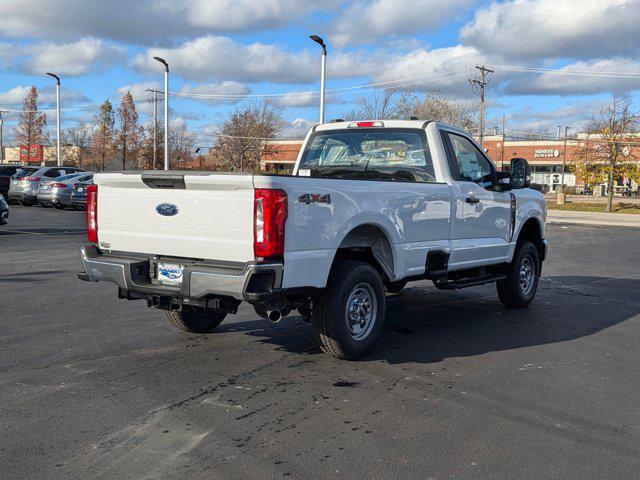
(425, 325)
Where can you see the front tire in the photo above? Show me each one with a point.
(519, 288)
(195, 320)
(348, 317)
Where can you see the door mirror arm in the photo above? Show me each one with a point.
(503, 181)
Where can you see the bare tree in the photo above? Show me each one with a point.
(145, 154)
(181, 147)
(129, 135)
(79, 138)
(606, 155)
(32, 124)
(102, 145)
(437, 107)
(242, 136)
(379, 105)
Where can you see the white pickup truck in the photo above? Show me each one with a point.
(370, 206)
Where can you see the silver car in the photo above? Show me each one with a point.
(25, 189)
(57, 193)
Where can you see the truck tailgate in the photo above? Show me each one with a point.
(205, 216)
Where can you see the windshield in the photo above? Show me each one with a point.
(371, 154)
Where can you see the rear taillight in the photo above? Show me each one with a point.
(269, 218)
(92, 213)
(58, 185)
(32, 179)
(368, 124)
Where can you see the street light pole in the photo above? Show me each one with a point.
(320, 42)
(561, 192)
(57, 117)
(166, 111)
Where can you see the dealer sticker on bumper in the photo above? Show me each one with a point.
(170, 274)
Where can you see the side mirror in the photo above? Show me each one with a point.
(520, 173)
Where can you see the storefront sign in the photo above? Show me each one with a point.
(546, 153)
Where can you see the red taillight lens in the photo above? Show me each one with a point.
(58, 185)
(368, 124)
(32, 179)
(269, 218)
(92, 213)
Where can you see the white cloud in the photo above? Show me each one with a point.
(366, 22)
(208, 92)
(556, 29)
(566, 84)
(242, 15)
(446, 69)
(297, 129)
(574, 114)
(225, 59)
(142, 21)
(14, 97)
(84, 56)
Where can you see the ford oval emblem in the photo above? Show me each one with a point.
(167, 209)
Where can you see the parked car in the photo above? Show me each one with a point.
(6, 172)
(57, 192)
(4, 211)
(79, 195)
(327, 240)
(25, 188)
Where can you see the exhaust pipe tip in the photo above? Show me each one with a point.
(274, 315)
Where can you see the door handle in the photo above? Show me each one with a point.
(472, 200)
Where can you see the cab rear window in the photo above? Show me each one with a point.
(400, 155)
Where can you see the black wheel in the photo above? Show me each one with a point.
(396, 287)
(195, 320)
(26, 203)
(58, 206)
(347, 318)
(519, 288)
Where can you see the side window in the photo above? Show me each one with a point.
(53, 173)
(472, 165)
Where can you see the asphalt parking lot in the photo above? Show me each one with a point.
(459, 387)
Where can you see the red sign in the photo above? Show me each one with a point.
(32, 154)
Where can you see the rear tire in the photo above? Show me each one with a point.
(348, 317)
(519, 288)
(195, 320)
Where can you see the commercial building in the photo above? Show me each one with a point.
(279, 156)
(40, 154)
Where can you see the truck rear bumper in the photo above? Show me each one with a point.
(251, 281)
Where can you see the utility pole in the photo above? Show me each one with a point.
(155, 124)
(481, 84)
(1, 144)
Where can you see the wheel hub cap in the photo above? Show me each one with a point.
(361, 311)
(526, 275)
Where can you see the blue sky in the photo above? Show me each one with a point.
(244, 48)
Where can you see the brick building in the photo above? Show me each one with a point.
(279, 156)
